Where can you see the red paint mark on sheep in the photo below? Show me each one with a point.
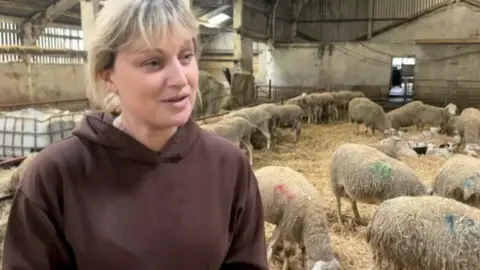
(283, 189)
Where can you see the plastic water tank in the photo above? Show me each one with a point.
(30, 130)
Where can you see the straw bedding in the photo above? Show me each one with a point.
(311, 156)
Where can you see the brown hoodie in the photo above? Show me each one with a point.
(102, 200)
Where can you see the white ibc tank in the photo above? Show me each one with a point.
(30, 130)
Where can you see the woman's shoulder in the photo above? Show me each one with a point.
(45, 173)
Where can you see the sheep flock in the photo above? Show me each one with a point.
(346, 185)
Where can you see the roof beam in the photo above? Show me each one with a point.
(34, 26)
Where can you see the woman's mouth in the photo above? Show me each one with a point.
(178, 102)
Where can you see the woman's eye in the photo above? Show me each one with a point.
(187, 58)
(153, 64)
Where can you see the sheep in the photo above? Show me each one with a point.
(236, 130)
(466, 126)
(388, 146)
(294, 205)
(311, 109)
(442, 150)
(372, 115)
(362, 173)
(405, 115)
(422, 138)
(459, 179)
(20, 171)
(452, 109)
(342, 98)
(425, 233)
(356, 94)
(431, 115)
(326, 102)
(472, 149)
(259, 118)
(291, 115)
(274, 111)
(302, 102)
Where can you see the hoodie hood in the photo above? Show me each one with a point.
(97, 127)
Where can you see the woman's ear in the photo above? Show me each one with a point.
(106, 77)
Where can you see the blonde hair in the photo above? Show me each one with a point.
(122, 22)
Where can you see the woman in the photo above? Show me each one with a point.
(152, 191)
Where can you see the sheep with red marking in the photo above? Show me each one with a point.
(294, 205)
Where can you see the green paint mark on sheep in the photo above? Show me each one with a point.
(382, 169)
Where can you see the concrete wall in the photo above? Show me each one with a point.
(45, 82)
(367, 65)
(49, 82)
(219, 53)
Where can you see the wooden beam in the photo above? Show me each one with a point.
(40, 51)
(447, 41)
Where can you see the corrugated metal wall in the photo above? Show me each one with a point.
(255, 16)
(333, 10)
(52, 38)
(331, 20)
(283, 20)
(396, 9)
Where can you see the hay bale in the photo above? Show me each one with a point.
(212, 98)
(242, 91)
(4, 213)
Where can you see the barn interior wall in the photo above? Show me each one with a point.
(46, 82)
(368, 64)
(218, 53)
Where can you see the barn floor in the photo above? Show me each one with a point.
(311, 156)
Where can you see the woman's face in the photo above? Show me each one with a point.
(157, 86)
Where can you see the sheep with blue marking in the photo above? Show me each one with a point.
(362, 173)
(425, 233)
(459, 179)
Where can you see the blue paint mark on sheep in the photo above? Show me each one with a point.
(449, 218)
(463, 224)
(469, 183)
(382, 169)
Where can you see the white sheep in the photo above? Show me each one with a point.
(425, 233)
(472, 149)
(432, 116)
(362, 173)
(451, 108)
(293, 204)
(459, 179)
(258, 117)
(440, 151)
(236, 130)
(291, 115)
(363, 110)
(388, 146)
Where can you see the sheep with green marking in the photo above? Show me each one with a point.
(425, 233)
(459, 179)
(362, 173)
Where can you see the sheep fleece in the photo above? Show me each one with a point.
(352, 175)
(425, 233)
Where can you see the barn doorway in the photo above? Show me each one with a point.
(402, 78)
